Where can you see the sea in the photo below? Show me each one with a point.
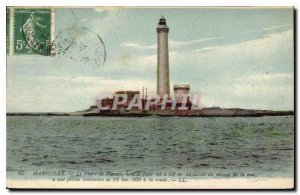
(202, 147)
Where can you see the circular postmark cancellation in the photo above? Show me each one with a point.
(80, 44)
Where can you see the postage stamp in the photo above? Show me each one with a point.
(150, 98)
(31, 31)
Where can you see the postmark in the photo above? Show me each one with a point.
(80, 44)
(32, 31)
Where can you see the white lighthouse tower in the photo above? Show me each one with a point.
(163, 83)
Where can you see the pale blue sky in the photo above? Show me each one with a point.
(232, 57)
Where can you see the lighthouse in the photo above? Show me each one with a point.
(163, 83)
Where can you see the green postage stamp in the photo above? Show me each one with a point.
(30, 31)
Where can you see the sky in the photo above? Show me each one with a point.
(231, 57)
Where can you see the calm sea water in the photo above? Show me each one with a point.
(263, 146)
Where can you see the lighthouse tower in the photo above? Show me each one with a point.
(163, 84)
